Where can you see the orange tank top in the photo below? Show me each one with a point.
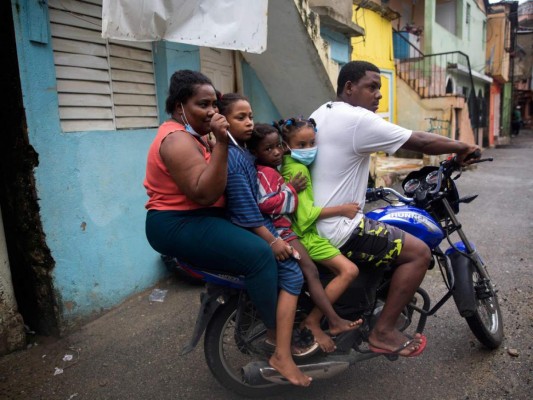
(163, 192)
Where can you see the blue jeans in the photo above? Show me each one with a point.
(204, 237)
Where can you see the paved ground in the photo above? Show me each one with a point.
(132, 351)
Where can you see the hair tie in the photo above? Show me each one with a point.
(288, 123)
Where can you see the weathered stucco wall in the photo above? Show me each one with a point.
(415, 112)
(90, 192)
(90, 184)
(12, 335)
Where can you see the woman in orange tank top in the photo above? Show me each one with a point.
(185, 182)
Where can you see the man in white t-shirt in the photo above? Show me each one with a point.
(348, 132)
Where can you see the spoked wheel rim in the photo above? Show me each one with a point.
(486, 323)
(236, 351)
(486, 307)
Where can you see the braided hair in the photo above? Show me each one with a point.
(289, 126)
(260, 132)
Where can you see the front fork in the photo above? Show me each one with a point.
(457, 268)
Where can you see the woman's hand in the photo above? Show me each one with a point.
(281, 249)
(349, 210)
(219, 127)
(298, 182)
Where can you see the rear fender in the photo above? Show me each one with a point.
(210, 301)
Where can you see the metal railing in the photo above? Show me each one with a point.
(427, 75)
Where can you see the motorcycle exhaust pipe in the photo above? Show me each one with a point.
(261, 373)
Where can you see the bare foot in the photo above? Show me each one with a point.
(343, 325)
(287, 368)
(325, 341)
(393, 340)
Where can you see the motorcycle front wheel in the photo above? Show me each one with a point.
(228, 348)
(486, 322)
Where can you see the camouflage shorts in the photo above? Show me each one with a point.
(374, 243)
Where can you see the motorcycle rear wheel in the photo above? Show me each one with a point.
(226, 353)
(486, 323)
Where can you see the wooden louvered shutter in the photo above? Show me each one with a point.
(102, 84)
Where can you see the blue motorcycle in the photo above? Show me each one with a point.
(234, 334)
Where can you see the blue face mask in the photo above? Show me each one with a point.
(188, 126)
(305, 156)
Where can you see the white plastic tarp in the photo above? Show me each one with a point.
(225, 24)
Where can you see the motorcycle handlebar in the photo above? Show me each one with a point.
(380, 193)
(446, 167)
(450, 165)
(474, 155)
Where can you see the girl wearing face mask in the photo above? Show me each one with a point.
(243, 210)
(299, 138)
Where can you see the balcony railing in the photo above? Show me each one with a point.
(427, 74)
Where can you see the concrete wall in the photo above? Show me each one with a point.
(264, 109)
(377, 47)
(498, 59)
(415, 112)
(12, 335)
(468, 38)
(90, 184)
(90, 190)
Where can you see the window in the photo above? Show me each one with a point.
(101, 84)
(467, 21)
(484, 34)
(446, 15)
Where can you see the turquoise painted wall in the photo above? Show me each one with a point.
(263, 108)
(169, 57)
(89, 184)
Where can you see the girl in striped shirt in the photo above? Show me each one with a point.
(243, 210)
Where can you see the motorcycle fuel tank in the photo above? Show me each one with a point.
(413, 220)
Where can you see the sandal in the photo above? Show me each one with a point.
(302, 344)
(297, 352)
(396, 352)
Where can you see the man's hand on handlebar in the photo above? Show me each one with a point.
(472, 154)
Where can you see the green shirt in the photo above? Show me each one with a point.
(306, 215)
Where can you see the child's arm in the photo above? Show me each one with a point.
(348, 210)
(281, 249)
(275, 196)
(243, 211)
(307, 213)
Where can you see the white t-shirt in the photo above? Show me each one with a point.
(346, 137)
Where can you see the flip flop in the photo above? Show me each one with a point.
(414, 353)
